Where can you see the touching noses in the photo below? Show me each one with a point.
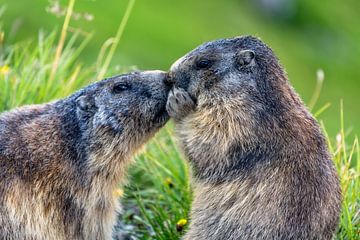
(169, 80)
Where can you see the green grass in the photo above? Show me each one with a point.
(159, 193)
(159, 187)
(29, 66)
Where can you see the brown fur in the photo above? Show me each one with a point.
(261, 165)
(61, 162)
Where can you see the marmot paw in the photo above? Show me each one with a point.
(179, 103)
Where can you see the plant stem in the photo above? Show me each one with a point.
(62, 39)
(116, 40)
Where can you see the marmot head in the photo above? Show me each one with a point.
(123, 112)
(228, 68)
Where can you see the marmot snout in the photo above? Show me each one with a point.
(61, 162)
(260, 160)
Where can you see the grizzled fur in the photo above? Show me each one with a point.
(61, 162)
(261, 165)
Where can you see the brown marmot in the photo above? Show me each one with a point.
(261, 164)
(61, 162)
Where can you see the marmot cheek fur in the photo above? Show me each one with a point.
(261, 164)
(60, 162)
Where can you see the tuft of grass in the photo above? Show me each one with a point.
(42, 70)
(159, 194)
(49, 68)
(346, 155)
(30, 67)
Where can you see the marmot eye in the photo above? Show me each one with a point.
(120, 87)
(204, 63)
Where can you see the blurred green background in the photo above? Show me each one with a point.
(305, 34)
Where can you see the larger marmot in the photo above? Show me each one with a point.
(261, 164)
(61, 162)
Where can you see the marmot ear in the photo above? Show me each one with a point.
(84, 103)
(245, 57)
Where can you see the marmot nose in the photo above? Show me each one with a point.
(168, 80)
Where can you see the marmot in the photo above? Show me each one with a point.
(61, 162)
(261, 164)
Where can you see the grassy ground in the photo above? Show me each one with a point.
(158, 196)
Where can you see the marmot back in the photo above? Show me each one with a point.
(261, 164)
(61, 162)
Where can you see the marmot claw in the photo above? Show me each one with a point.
(179, 104)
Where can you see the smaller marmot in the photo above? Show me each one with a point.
(61, 162)
(261, 164)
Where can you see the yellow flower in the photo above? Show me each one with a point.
(168, 181)
(4, 69)
(119, 192)
(180, 224)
